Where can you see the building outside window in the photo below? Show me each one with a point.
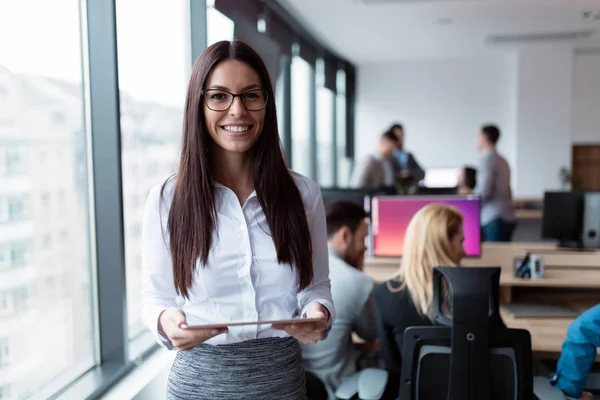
(45, 103)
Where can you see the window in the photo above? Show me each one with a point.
(13, 254)
(47, 241)
(280, 100)
(344, 164)
(17, 207)
(325, 150)
(14, 162)
(4, 303)
(18, 254)
(219, 27)
(46, 103)
(45, 203)
(4, 356)
(4, 258)
(301, 82)
(4, 392)
(153, 76)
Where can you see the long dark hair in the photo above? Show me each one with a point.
(192, 218)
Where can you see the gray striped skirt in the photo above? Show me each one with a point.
(261, 369)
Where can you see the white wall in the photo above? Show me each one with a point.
(537, 97)
(441, 103)
(586, 98)
(543, 119)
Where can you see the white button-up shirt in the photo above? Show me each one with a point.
(242, 280)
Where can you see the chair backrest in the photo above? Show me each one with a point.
(473, 356)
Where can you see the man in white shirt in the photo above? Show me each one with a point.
(335, 357)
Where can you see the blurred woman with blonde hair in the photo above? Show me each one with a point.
(434, 237)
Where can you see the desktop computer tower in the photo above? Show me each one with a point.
(591, 221)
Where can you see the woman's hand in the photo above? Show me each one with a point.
(171, 323)
(587, 396)
(309, 333)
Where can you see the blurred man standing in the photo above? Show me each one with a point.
(493, 187)
(410, 170)
(379, 170)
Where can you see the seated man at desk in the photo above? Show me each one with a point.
(578, 355)
(334, 358)
(467, 180)
(433, 237)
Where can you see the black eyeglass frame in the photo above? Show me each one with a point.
(233, 96)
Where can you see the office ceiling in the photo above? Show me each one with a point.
(386, 30)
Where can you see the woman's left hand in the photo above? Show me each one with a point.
(309, 333)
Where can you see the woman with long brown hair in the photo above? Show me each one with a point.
(237, 236)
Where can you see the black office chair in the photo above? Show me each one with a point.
(472, 355)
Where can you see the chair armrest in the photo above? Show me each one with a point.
(348, 388)
(372, 383)
(545, 391)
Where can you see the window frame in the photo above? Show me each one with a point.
(103, 133)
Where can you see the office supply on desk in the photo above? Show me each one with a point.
(539, 310)
(530, 267)
(390, 216)
(471, 356)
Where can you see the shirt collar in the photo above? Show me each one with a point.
(219, 185)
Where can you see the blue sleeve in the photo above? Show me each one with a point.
(578, 353)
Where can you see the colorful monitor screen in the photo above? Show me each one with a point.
(390, 217)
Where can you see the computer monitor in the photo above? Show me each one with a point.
(436, 191)
(356, 196)
(390, 217)
(440, 177)
(563, 218)
(361, 197)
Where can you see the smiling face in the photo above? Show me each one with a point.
(235, 129)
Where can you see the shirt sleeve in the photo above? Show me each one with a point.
(578, 353)
(485, 178)
(158, 287)
(360, 175)
(320, 288)
(365, 324)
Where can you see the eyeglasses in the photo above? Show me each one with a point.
(221, 100)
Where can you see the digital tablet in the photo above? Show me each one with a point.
(228, 324)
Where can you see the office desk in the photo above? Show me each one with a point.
(570, 276)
